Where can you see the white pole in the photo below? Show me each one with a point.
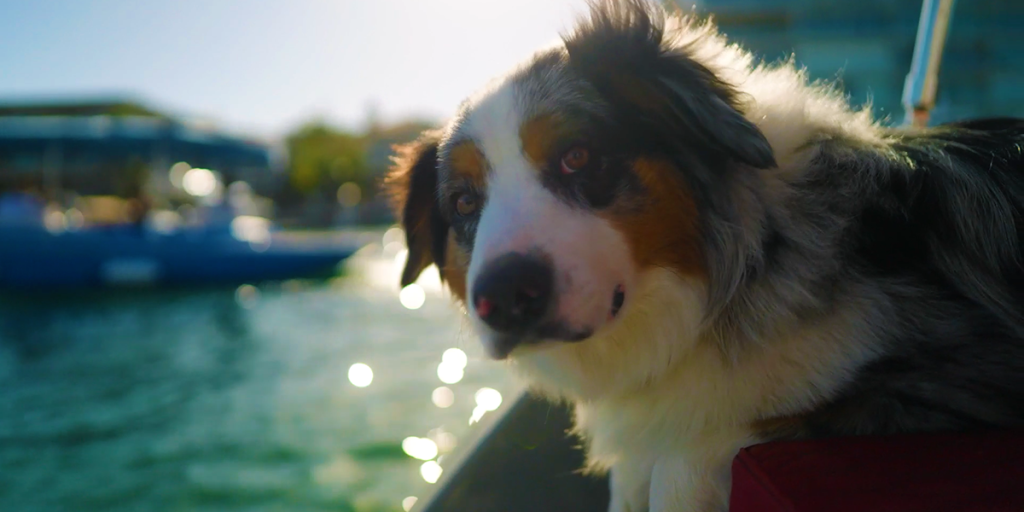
(923, 79)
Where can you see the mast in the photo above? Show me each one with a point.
(923, 79)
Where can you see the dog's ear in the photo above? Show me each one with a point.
(412, 185)
(654, 84)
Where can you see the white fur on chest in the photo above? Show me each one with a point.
(664, 409)
(685, 472)
(660, 460)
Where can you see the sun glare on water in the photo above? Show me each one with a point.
(412, 296)
(360, 375)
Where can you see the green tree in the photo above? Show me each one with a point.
(321, 156)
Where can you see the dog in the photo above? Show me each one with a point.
(702, 252)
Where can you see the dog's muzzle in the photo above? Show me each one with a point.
(514, 294)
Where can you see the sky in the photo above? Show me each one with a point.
(263, 67)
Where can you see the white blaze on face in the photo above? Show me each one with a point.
(590, 258)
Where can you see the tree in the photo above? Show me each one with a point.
(324, 156)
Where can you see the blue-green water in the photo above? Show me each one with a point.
(230, 400)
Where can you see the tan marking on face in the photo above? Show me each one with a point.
(455, 267)
(540, 137)
(467, 162)
(664, 232)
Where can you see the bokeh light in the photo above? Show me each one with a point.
(449, 373)
(488, 398)
(455, 356)
(74, 219)
(478, 414)
(452, 367)
(54, 221)
(247, 295)
(199, 182)
(443, 397)
(360, 375)
(164, 221)
(419, 448)
(177, 174)
(349, 194)
(408, 503)
(431, 471)
(393, 235)
(391, 249)
(249, 228)
(412, 296)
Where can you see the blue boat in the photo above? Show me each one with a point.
(48, 244)
(33, 258)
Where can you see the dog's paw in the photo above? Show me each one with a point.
(630, 490)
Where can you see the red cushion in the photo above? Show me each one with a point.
(981, 472)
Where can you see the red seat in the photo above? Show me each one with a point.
(979, 472)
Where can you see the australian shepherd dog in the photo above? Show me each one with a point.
(702, 252)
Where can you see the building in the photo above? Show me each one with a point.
(868, 45)
(109, 147)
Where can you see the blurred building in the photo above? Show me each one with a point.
(868, 45)
(107, 148)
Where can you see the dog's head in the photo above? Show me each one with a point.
(561, 199)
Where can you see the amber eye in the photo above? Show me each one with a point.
(575, 159)
(465, 204)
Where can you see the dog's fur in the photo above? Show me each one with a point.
(793, 269)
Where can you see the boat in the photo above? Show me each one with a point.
(247, 250)
(69, 235)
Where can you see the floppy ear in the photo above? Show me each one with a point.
(652, 83)
(412, 185)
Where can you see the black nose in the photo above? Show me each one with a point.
(513, 294)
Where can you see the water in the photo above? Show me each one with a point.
(235, 399)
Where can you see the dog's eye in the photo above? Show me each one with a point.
(465, 204)
(575, 159)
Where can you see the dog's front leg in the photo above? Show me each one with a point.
(677, 486)
(630, 486)
(694, 482)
